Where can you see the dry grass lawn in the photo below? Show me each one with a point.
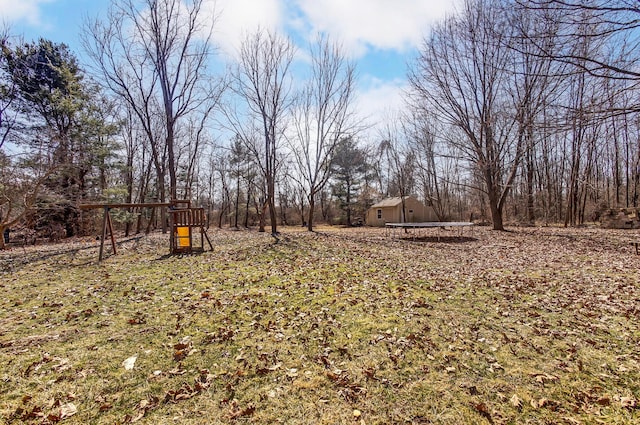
(342, 326)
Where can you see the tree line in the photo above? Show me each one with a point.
(516, 110)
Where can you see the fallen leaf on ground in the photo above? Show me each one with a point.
(130, 362)
(628, 402)
(516, 401)
(67, 410)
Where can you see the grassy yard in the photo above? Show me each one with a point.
(342, 326)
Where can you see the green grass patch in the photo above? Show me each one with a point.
(340, 326)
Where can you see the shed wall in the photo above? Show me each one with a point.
(416, 212)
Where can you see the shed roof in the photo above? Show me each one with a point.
(389, 202)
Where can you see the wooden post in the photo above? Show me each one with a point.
(113, 238)
(106, 225)
(190, 221)
(172, 229)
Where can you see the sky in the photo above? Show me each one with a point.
(381, 36)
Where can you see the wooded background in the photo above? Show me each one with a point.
(518, 111)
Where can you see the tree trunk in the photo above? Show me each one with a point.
(163, 211)
(173, 182)
(237, 203)
(494, 200)
(531, 213)
(496, 213)
(272, 206)
(129, 198)
(348, 201)
(246, 209)
(261, 219)
(312, 202)
(2, 243)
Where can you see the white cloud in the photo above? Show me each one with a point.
(359, 24)
(378, 101)
(21, 10)
(381, 24)
(237, 18)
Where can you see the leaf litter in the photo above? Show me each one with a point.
(537, 325)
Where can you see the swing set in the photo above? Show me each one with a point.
(185, 223)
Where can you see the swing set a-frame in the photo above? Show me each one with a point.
(185, 223)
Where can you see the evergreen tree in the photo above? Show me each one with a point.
(65, 127)
(349, 166)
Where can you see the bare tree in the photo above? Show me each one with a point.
(8, 93)
(534, 85)
(262, 82)
(583, 133)
(154, 55)
(20, 185)
(401, 158)
(460, 74)
(433, 168)
(611, 22)
(195, 135)
(586, 152)
(322, 117)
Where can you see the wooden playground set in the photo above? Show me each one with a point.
(185, 224)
